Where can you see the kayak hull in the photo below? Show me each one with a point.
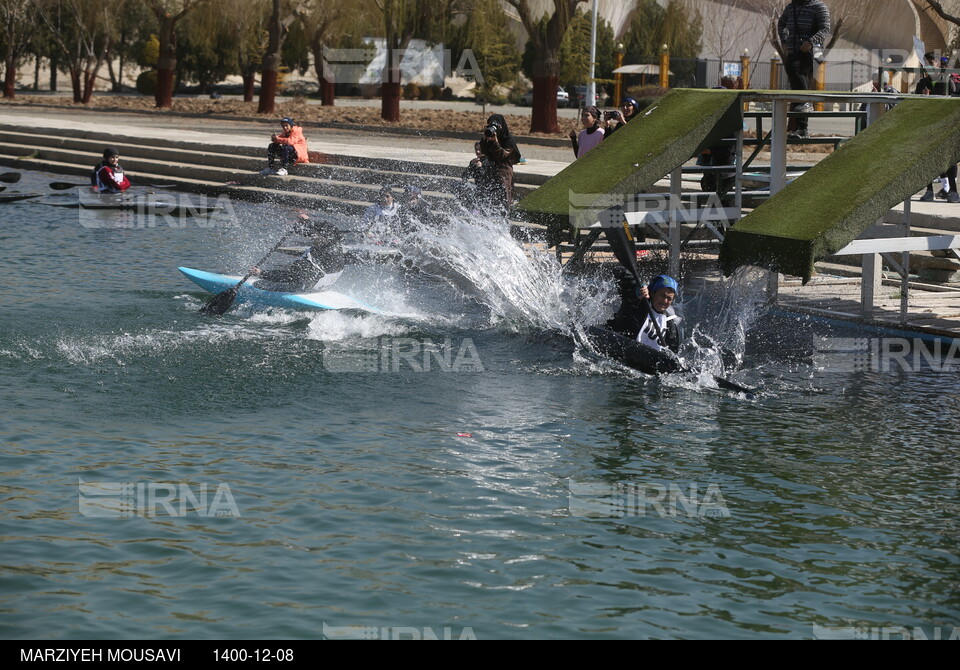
(631, 353)
(320, 300)
(14, 197)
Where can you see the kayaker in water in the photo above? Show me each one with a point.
(108, 175)
(381, 219)
(639, 304)
(320, 265)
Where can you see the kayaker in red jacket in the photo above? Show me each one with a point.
(289, 147)
(108, 176)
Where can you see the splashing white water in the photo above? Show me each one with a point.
(522, 285)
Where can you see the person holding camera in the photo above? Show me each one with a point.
(592, 133)
(803, 28)
(618, 117)
(499, 154)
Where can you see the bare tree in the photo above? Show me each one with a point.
(937, 7)
(319, 23)
(83, 30)
(282, 15)
(546, 37)
(17, 29)
(725, 32)
(168, 14)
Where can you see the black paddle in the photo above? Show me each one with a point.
(10, 177)
(221, 302)
(625, 250)
(64, 185)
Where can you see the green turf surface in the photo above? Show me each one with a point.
(848, 191)
(663, 137)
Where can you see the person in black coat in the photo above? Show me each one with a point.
(501, 153)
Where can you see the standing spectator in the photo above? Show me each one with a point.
(289, 147)
(803, 28)
(501, 153)
(948, 187)
(617, 118)
(592, 133)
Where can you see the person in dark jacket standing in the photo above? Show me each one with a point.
(803, 29)
(502, 153)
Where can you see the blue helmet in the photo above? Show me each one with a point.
(663, 281)
(627, 100)
(287, 119)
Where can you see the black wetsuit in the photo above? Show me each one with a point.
(304, 273)
(633, 313)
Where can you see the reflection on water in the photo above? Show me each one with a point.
(432, 499)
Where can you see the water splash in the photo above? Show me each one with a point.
(523, 285)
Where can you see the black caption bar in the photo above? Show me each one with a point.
(175, 651)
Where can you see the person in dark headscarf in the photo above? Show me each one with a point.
(616, 119)
(592, 133)
(502, 153)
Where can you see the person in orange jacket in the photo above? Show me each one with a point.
(289, 147)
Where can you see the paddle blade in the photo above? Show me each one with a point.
(63, 185)
(618, 234)
(220, 303)
(10, 177)
(728, 385)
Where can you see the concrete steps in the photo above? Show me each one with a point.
(340, 184)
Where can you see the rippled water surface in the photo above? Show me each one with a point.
(169, 475)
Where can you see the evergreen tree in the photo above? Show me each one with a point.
(497, 58)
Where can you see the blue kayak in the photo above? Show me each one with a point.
(320, 300)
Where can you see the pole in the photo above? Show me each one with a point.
(592, 85)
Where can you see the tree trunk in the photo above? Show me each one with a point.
(36, 73)
(89, 80)
(326, 92)
(54, 68)
(326, 85)
(268, 92)
(10, 80)
(546, 78)
(249, 80)
(390, 95)
(166, 64)
(270, 66)
(75, 84)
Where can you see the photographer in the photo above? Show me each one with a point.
(499, 154)
(617, 118)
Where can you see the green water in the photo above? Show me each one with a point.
(495, 503)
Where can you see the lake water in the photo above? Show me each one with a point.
(452, 467)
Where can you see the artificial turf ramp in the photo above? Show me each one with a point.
(661, 138)
(835, 201)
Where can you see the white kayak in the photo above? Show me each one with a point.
(319, 300)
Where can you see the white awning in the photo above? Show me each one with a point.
(638, 69)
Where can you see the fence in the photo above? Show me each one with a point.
(706, 73)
